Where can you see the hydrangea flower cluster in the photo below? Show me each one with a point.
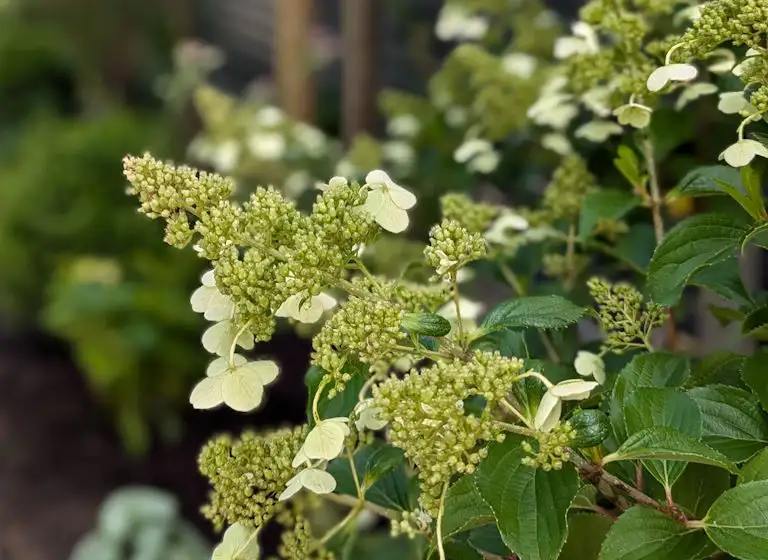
(452, 246)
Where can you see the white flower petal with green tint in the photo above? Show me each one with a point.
(242, 389)
(470, 310)
(326, 440)
(471, 148)
(455, 23)
(548, 413)
(588, 364)
(269, 116)
(693, 92)
(306, 309)
(671, 73)
(239, 543)
(566, 47)
(267, 145)
(484, 163)
(221, 365)
(733, 102)
(314, 480)
(208, 393)
(392, 219)
(573, 389)
(368, 416)
(723, 61)
(218, 338)
(404, 126)
(596, 100)
(266, 370)
(634, 115)
(557, 143)
(292, 487)
(311, 139)
(398, 152)
(743, 152)
(598, 131)
(558, 117)
(387, 201)
(497, 233)
(519, 64)
(225, 156)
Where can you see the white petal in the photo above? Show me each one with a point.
(404, 126)
(265, 370)
(587, 33)
(236, 543)
(519, 64)
(558, 143)
(300, 458)
(588, 364)
(326, 440)
(310, 311)
(596, 100)
(548, 413)
(724, 61)
(733, 102)
(471, 148)
(201, 297)
(573, 389)
(378, 177)
(681, 72)
(218, 338)
(374, 202)
(403, 198)
(566, 47)
(485, 163)
(292, 488)
(220, 307)
(598, 131)
(392, 218)
(242, 389)
(469, 309)
(633, 114)
(290, 307)
(207, 393)
(743, 152)
(338, 182)
(693, 92)
(209, 279)
(658, 79)
(327, 301)
(269, 116)
(221, 365)
(317, 481)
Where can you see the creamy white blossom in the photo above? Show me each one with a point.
(456, 117)
(588, 364)
(269, 116)
(209, 301)
(398, 152)
(554, 110)
(497, 232)
(387, 201)
(693, 92)
(311, 139)
(633, 114)
(403, 126)
(297, 183)
(225, 156)
(368, 416)
(596, 100)
(548, 413)
(598, 131)
(743, 152)
(313, 479)
(519, 64)
(573, 389)
(734, 102)
(558, 143)
(239, 384)
(324, 442)
(724, 61)
(306, 309)
(454, 23)
(238, 543)
(470, 310)
(583, 41)
(266, 145)
(671, 73)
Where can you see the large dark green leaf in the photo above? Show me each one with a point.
(699, 486)
(703, 181)
(755, 469)
(755, 375)
(738, 521)
(465, 508)
(586, 533)
(724, 279)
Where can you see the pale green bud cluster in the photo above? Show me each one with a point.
(429, 423)
(451, 246)
(475, 216)
(248, 474)
(410, 524)
(365, 329)
(551, 452)
(755, 72)
(297, 543)
(570, 183)
(610, 229)
(625, 319)
(419, 297)
(556, 265)
(741, 22)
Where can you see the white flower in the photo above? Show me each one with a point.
(267, 145)
(671, 73)
(633, 114)
(368, 416)
(398, 152)
(209, 301)
(484, 163)
(598, 131)
(724, 61)
(691, 13)
(583, 41)
(588, 364)
(464, 275)
(734, 102)
(553, 110)
(557, 142)
(445, 265)
(519, 64)
(596, 100)
(345, 168)
(573, 389)
(297, 183)
(311, 139)
(224, 156)
(509, 220)
(239, 384)
(306, 309)
(548, 413)
(314, 480)
(269, 116)
(455, 23)
(554, 85)
(743, 152)
(471, 148)
(470, 310)
(325, 441)
(693, 92)
(239, 543)
(403, 126)
(456, 116)
(387, 201)
(742, 67)
(219, 338)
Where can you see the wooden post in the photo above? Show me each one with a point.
(292, 58)
(358, 96)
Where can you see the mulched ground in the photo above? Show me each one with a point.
(59, 457)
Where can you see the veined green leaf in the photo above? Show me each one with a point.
(755, 469)
(758, 235)
(540, 312)
(738, 521)
(702, 182)
(586, 533)
(690, 246)
(670, 445)
(608, 204)
(698, 488)
(465, 508)
(755, 375)
(382, 461)
(724, 279)
(742, 199)
(629, 166)
(755, 324)
(751, 176)
(488, 539)
(530, 505)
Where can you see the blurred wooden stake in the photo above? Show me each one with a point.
(358, 96)
(292, 58)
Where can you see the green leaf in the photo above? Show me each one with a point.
(429, 324)
(488, 539)
(740, 198)
(382, 461)
(724, 279)
(756, 235)
(755, 469)
(732, 421)
(540, 312)
(751, 176)
(670, 445)
(657, 369)
(726, 315)
(530, 505)
(755, 324)
(716, 367)
(465, 508)
(647, 407)
(642, 533)
(606, 204)
(698, 488)
(392, 490)
(702, 181)
(586, 533)
(738, 521)
(755, 375)
(629, 166)
(343, 403)
(637, 245)
(690, 246)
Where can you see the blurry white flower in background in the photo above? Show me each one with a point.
(519, 64)
(456, 117)
(693, 92)
(633, 114)
(598, 131)
(497, 233)
(398, 152)
(269, 116)
(311, 139)
(478, 154)
(588, 364)
(583, 41)
(724, 61)
(734, 102)
(403, 126)
(671, 73)
(557, 143)
(266, 146)
(454, 23)
(296, 184)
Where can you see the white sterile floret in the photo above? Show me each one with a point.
(683, 16)
(455, 23)
(598, 131)
(573, 389)
(588, 364)
(497, 233)
(224, 156)
(325, 441)
(548, 413)
(671, 73)
(297, 183)
(555, 110)
(733, 103)
(478, 154)
(346, 168)
(723, 61)
(403, 126)
(583, 41)
(368, 416)
(209, 301)
(306, 309)
(266, 145)
(311, 139)
(558, 143)
(445, 264)
(693, 92)
(239, 384)
(743, 152)
(219, 337)
(634, 115)
(470, 310)
(596, 100)
(387, 201)
(239, 543)
(269, 116)
(456, 117)
(519, 64)
(398, 152)
(315, 480)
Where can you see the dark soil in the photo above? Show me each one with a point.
(59, 457)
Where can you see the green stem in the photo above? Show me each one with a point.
(370, 277)
(455, 295)
(514, 428)
(422, 351)
(323, 382)
(441, 511)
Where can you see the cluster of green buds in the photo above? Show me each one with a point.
(452, 246)
(571, 182)
(551, 451)
(624, 317)
(297, 543)
(476, 217)
(411, 523)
